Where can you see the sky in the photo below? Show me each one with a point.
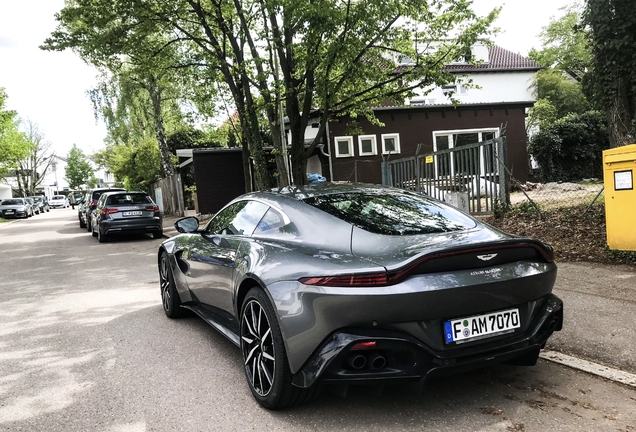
(49, 88)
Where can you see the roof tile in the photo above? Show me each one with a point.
(498, 59)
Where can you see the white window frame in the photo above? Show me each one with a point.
(374, 145)
(349, 140)
(397, 143)
(451, 144)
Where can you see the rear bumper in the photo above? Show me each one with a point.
(403, 357)
(145, 225)
(417, 306)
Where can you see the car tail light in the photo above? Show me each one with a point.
(364, 345)
(153, 208)
(109, 210)
(369, 279)
(93, 203)
(396, 276)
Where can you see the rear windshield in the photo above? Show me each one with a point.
(124, 199)
(97, 194)
(12, 202)
(392, 213)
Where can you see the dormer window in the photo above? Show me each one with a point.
(468, 56)
(449, 89)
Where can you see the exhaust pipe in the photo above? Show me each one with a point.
(376, 361)
(356, 361)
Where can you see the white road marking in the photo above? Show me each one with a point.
(590, 367)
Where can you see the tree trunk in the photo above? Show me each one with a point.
(155, 97)
(620, 116)
(279, 153)
(255, 141)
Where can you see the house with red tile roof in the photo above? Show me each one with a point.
(493, 91)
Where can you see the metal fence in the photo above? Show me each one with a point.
(358, 171)
(475, 174)
(543, 198)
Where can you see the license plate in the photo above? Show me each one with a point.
(132, 213)
(481, 326)
(8, 211)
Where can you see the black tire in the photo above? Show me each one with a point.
(81, 222)
(264, 356)
(157, 235)
(169, 296)
(102, 238)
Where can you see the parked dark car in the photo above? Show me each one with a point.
(15, 208)
(42, 202)
(358, 284)
(89, 204)
(119, 213)
(81, 213)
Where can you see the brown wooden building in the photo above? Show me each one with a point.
(424, 129)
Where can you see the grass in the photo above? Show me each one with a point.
(3, 220)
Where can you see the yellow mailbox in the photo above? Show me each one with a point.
(619, 173)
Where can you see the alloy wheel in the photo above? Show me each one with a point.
(165, 282)
(258, 348)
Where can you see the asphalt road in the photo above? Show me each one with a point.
(85, 346)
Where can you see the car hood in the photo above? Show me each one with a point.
(12, 206)
(393, 252)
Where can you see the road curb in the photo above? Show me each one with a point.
(600, 370)
(5, 224)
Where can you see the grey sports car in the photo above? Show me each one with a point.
(359, 283)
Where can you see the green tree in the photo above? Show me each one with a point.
(277, 57)
(130, 54)
(337, 57)
(565, 46)
(566, 58)
(612, 80)
(136, 164)
(571, 148)
(79, 171)
(13, 144)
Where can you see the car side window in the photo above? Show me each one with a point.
(238, 219)
(270, 221)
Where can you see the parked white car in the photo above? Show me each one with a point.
(58, 201)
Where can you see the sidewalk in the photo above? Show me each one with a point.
(168, 226)
(599, 321)
(168, 222)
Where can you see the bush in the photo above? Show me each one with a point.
(571, 148)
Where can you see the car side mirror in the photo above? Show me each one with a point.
(221, 242)
(189, 224)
